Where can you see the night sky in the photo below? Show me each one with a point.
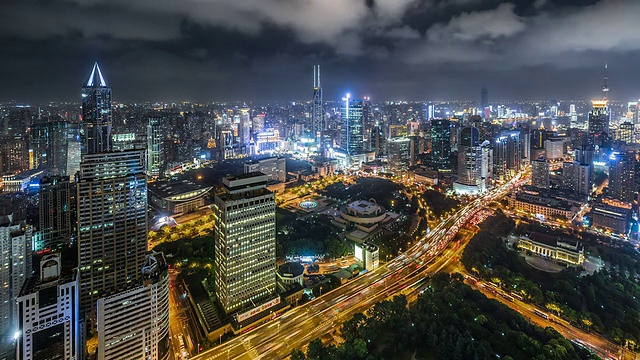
(215, 50)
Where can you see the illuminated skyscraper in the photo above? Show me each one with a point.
(96, 113)
(507, 157)
(155, 148)
(474, 163)
(351, 132)
(484, 100)
(15, 267)
(540, 173)
(599, 118)
(49, 314)
(441, 144)
(54, 207)
(622, 166)
(317, 110)
(112, 226)
(399, 153)
(245, 241)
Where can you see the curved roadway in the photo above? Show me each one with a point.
(300, 325)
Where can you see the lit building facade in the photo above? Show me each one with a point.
(134, 323)
(54, 213)
(540, 173)
(351, 130)
(112, 226)
(96, 112)
(155, 148)
(274, 167)
(48, 309)
(245, 242)
(441, 144)
(562, 250)
(399, 153)
(622, 168)
(317, 106)
(15, 267)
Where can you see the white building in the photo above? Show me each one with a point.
(49, 315)
(559, 249)
(245, 224)
(134, 323)
(15, 267)
(368, 255)
(554, 148)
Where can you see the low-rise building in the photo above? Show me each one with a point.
(609, 217)
(368, 255)
(541, 202)
(177, 197)
(560, 249)
(289, 273)
(365, 215)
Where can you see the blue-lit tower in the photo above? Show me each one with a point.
(96, 113)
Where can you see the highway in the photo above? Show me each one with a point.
(182, 322)
(297, 327)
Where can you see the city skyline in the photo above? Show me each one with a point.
(387, 50)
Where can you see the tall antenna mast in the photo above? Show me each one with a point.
(314, 76)
(318, 75)
(605, 87)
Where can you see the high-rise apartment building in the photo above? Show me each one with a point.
(155, 148)
(15, 267)
(49, 314)
(441, 144)
(112, 227)
(96, 113)
(399, 153)
(474, 163)
(39, 144)
(245, 242)
(351, 131)
(622, 168)
(626, 132)
(576, 177)
(54, 213)
(59, 151)
(317, 105)
(134, 322)
(540, 173)
(506, 154)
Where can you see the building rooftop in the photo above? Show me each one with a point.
(168, 189)
(544, 239)
(291, 269)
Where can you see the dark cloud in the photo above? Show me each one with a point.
(263, 49)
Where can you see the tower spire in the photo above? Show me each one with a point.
(605, 87)
(319, 76)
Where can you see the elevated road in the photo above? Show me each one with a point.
(297, 327)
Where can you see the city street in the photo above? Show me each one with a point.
(299, 326)
(183, 322)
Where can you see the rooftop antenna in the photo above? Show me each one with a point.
(605, 87)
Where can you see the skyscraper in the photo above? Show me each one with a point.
(15, 267)
(155, 148)
(134, 324)
(49, 314)
(112, 226)
(540, 173)
(506, 154)
(484, 100)
(399, 153)
(317, 110)
(59, 143)
(96, 113)
(351, 132)
(622, 168)
(54, 207)
(441, 144)
(245, 242)
(599, 118)
(474, 163)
